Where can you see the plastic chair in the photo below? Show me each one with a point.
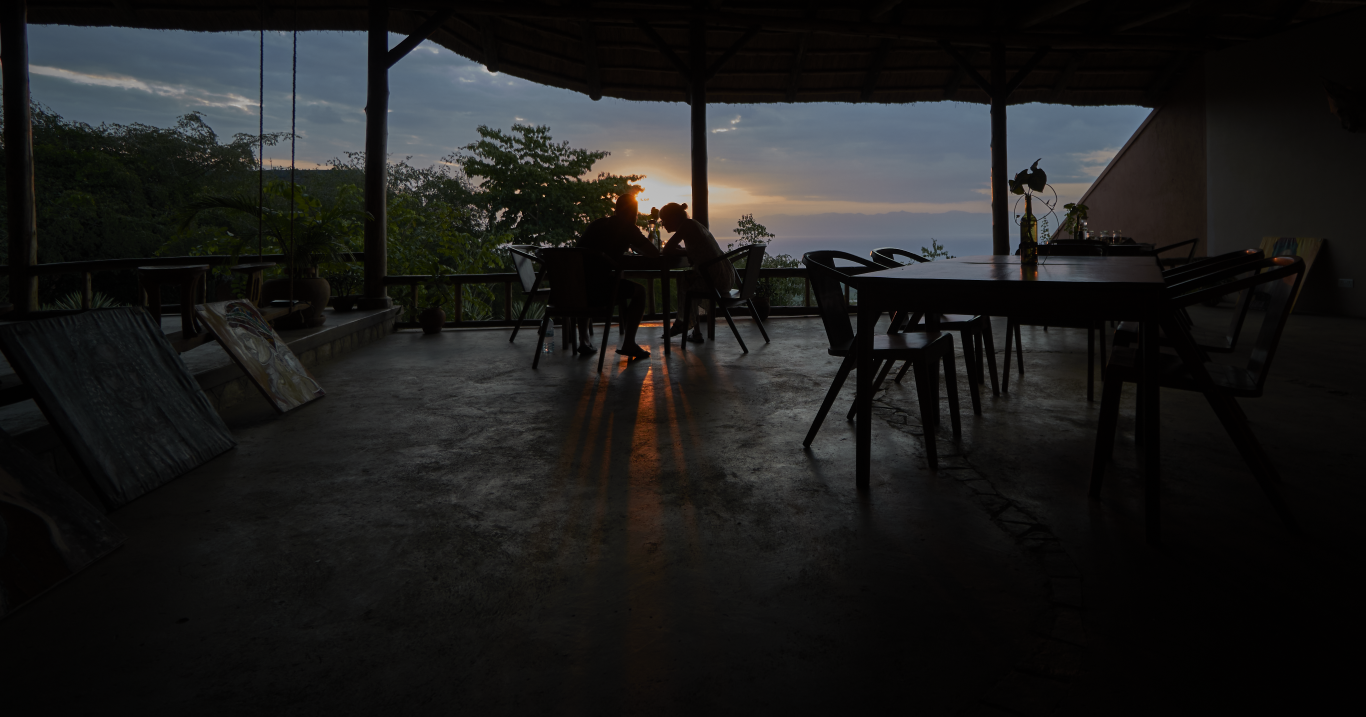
(524, 261)
(1222, 384)
(734, 298)
(921, 349)
(974, 330)
(569, 297)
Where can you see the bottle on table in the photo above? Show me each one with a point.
(1029, 235)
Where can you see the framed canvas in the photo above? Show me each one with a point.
(125, 405)
(1306, 248)
(261, 353)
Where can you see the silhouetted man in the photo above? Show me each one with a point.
(613, 236)
(695, 241)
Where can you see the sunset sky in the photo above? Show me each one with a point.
(810, 172)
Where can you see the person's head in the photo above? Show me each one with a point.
(671, 215)
(627, 206)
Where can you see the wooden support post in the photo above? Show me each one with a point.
(697, 61)
(1000, 198)
(376, 295)
(87, 292)
(22, 220)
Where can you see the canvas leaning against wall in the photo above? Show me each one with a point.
(261, 353)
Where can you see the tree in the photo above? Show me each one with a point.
(534, 189)
(750, 231)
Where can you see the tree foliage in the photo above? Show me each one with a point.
(534, 189)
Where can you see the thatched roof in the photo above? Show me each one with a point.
(1100, 52)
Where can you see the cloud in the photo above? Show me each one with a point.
(1093, 162)
(193, 96)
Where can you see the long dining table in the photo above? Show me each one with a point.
(1078, 287)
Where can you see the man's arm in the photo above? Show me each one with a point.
(674, 247)
(641, 244)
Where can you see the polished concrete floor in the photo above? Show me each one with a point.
(450, 532)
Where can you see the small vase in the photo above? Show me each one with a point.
(432, 320)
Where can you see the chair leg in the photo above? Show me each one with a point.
(951, 388)
(1235, 423)
(731, 322)
(882, 375)
(845, 367)
(929, 405)
(970, 363)
(526, 304)
(540, 344)
(711, 322)
(1019, 349)
(990, 351)
(684, 313)
(905, 366)
(1005, 368)
(853, 408)
(1105, 432)
(759, 322)
(1103, 370)
(1091, 361)
(606, 339)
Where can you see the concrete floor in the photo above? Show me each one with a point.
(451, 532)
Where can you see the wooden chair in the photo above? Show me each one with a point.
(732, 299)
(189, 277)
(1190, 256)
(255, 276)
(921, 349)
(569, 297)
(524, 261)
(974, 330)
(1211, 270)
(1221, 384)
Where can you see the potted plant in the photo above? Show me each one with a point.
(433, 318)
(306, 230)
(344, 279)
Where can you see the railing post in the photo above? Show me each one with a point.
(650, 295)
(806, 291)
(459, 302)
(507, 301)
(376, 294)
(413, 288)
(87, 293)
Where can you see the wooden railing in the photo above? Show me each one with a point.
(511, 284)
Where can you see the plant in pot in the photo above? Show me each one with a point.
(433, 318)
(344, 280)
(306, 230)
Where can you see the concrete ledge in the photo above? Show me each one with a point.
(221, 379)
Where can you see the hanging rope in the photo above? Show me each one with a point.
(293, 105)
(261, 147)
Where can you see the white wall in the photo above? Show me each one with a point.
(1280, 164)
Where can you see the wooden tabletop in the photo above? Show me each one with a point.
(1098, 286)
(638, 262)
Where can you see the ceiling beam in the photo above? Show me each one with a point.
(730, 51)
(875, 70)
(410, 43)
(794, 78)
(956, 79)
(667, 51)
(966, 67)
(1153, 17)
(1046, 11)
(1285, 15)
(820, 25)
(1166, 76)
(1020, 76)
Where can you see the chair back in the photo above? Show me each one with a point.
(564, 267)
(826, 279)
(1277, 280)
(890, 257)
(1211, 263)
(524, 261)
(1190, 255)
(753, 256)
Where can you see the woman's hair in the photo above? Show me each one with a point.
(681, 210)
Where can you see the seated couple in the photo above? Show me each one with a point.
(618, 233)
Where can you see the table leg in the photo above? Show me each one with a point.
(1148, 394)
(664, 295)
(863, 345)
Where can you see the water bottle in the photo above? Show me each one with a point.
(549, 343)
